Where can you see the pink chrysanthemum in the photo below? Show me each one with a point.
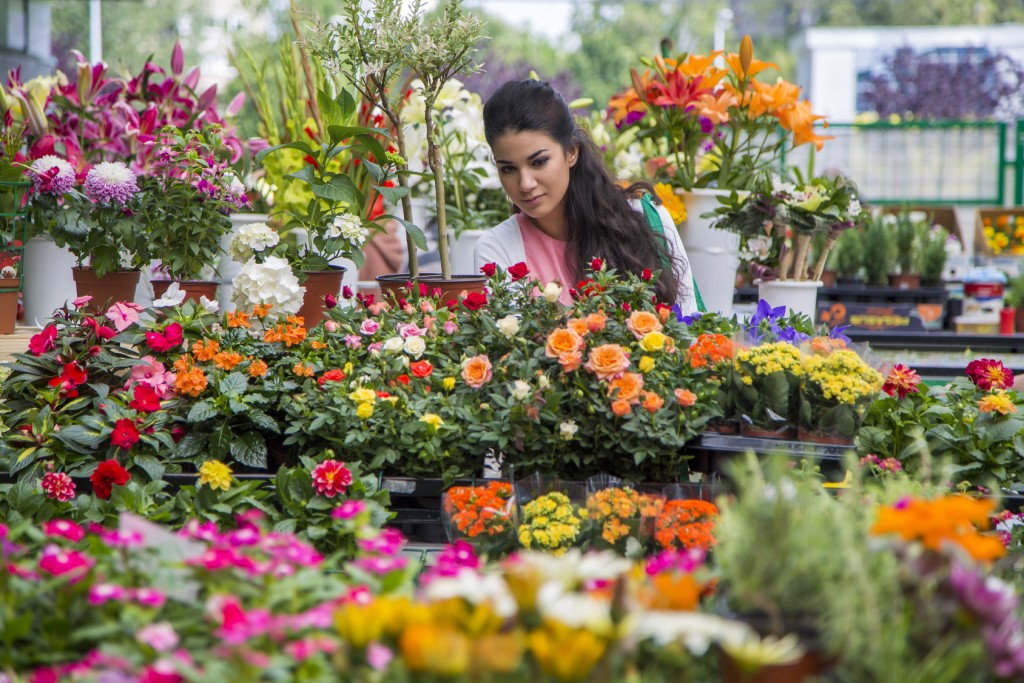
(52, 175)
(331, 478)
(110, 182)
(58, 485)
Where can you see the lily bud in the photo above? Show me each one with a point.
(638, 84)
(177, 60)
(746, 54)
(84, 82)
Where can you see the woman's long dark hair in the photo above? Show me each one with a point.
(600, 220)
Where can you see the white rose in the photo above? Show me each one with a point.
(415, 346)
(567, 430)
(509, 326)
(543, 382)
(272, 282)
(552, 291)
(394, 344)
(520, 390)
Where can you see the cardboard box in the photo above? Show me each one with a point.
(993, 213)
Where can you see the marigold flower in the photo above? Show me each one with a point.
(332, 478)
(216, 475)
(998, 402)
(205, 350)
(901, 381)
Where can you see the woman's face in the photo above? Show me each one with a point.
(534, 171)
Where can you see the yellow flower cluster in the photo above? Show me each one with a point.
(365, 398)
(551, 522)
(842, 376)
(768, 358)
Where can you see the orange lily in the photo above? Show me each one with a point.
(799, 119)
(716, 106)
(756, 66)
(621, 106)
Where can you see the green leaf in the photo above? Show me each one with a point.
(299, 145)
(339, 188)
(330, 111)
(220, 440)
(201, 412)
(306, 174)
(392, 195)
(347, 103)
(417, 235)
(235, 383)
(80, 437)
(250, 449)
(151, 466)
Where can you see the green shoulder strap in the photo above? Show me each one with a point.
(654, 219)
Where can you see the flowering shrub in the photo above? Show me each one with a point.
(767, 383)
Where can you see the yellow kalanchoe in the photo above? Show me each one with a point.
(842, 376)
(216, 475)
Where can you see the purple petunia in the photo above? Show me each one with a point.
(51, 175)
(110, 182)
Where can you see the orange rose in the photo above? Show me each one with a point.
(477, 371)
(570, 361)
(562, 341)
(641, 323)
(685, 397)
(652, 402)
(628, 386)
(578, 325)
(607, 361)
(596, 321)
(621, 408)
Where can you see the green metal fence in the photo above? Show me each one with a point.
(947, 162)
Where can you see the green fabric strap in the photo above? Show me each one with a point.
(654, 219)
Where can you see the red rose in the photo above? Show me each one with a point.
(334, 375)
(144, 399)
(596, 264)
(404, 379)
(646, 274)
(474, 301)
(125, 435)
(489, 269)
(330, 301)
(518, 271)
(346, 292)
(108, 474)
(421, 368)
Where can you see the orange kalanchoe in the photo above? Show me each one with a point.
(258, 368)
(261, 311)
(239, 319)
(710, 350)
(481, 510)
(686, 524)
(191, 382)
(952, 519)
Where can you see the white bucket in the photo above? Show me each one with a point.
(798, 296)
(713, 254)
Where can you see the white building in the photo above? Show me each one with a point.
(836, 63)
(25, 37)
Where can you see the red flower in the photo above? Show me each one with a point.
(43, 342)
(144, 399)
(489, 269)
(74, 373)
(646, 274)
(518, 271)
(346, 292)
(169, 339)
(421, 368)
(989, 374)
(596, 264)
(404, 379)
(58, 485)
(125, 435)
(102, 331)
(901, 381)
(331, 478)
(334, 375)
(108, 474)
(330, 301)
(474, 301)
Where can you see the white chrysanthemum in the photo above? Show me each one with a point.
(272, 282)
(252, 238)
(348, 226)
(110, 182)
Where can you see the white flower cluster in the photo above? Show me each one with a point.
(252, 239)
(271, 282)
(348, 226)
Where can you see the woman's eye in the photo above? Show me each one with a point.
(540, 162)
(506, 169)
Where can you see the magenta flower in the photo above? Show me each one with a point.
(59, 486)
(348, 509)
(331, 478)
(379, 656)
(149, 597)
(381, 565)
(69, 563)
(387, 542)
(352, 341)
(51, 175)
(101, 593)
(64, 528)
(162, 671)
(110, 182)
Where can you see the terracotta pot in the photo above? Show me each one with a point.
(395, 286)
(787, 432)
(193, 289)
(818, 437)
(828, 278)
(318, 285)
(1019, 319)
(106, 290)
(905, 281)
(808, 666)
(8, 304)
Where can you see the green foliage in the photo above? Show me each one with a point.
(1014, 296)
(931, 253)
(905, 242)
(878, 251)
(846, 257)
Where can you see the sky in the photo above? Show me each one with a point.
(546, 17)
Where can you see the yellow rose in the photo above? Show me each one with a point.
(653, 341)
(448, 383)
(364, 411)
(646, 364)
(363, 395)
(432, 419)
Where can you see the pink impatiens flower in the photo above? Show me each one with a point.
(348, 509)
(152, 372)
(69, 563)
(64, 528)
(160, 636)
(124, 314)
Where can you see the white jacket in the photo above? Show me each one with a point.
(503, 245)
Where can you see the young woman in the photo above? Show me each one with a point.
(568, 208)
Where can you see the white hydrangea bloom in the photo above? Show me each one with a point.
(272, 282)
(251, 239)
(348, 226)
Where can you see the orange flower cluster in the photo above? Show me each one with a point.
(291, 334)
(205, 350)
(710, 350)
(686, 524)
(481, 510)
(612, 509)
(189, 379)
(227, 360)
(594, 322)
(239, 319)
(824, 346)
(953, 519)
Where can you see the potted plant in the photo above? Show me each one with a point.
(837, 386)
(932, 253)
(846, 258)
(184, 206)
(907, 247)
(877, 250)
(709, 131)
(782, 219)
(1014, 298)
